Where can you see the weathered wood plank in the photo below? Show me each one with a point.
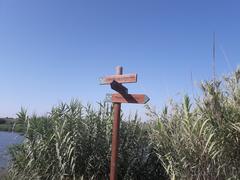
(125, 78)
(127, 98)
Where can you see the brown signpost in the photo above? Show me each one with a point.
(121, 97)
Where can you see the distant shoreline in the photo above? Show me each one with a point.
(11, 125)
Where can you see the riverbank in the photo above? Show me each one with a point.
(12, 126)
(7, 139)
(3, 173)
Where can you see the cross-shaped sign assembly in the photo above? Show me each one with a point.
(122, 96)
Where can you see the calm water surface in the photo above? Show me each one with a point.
(7, 139)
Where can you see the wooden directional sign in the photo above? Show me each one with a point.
(119, 87)
(125, 78)
(127, 98)
(122, 96)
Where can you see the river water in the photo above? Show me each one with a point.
(7, 139)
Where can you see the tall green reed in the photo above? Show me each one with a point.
(198, 139)
(74, 141)
(201, 142)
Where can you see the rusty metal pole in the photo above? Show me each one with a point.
(115, 134)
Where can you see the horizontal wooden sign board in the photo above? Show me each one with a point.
(127, 98)
(125, 78)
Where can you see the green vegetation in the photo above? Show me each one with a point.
(6, 127)
(193, 141)
(73, 142)
(9, 124)
(201, 140)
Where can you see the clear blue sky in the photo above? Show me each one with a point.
(52, 50)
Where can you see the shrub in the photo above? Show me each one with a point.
(2, 121)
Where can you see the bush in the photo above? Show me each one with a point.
(2, 121)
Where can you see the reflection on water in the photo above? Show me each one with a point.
(7, 139)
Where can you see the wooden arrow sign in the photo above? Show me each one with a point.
(125, 78)
(127, 98)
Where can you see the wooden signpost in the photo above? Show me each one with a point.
(122, 96)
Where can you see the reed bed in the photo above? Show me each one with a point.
(201, 141)
(73, 142)
(198, 139)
